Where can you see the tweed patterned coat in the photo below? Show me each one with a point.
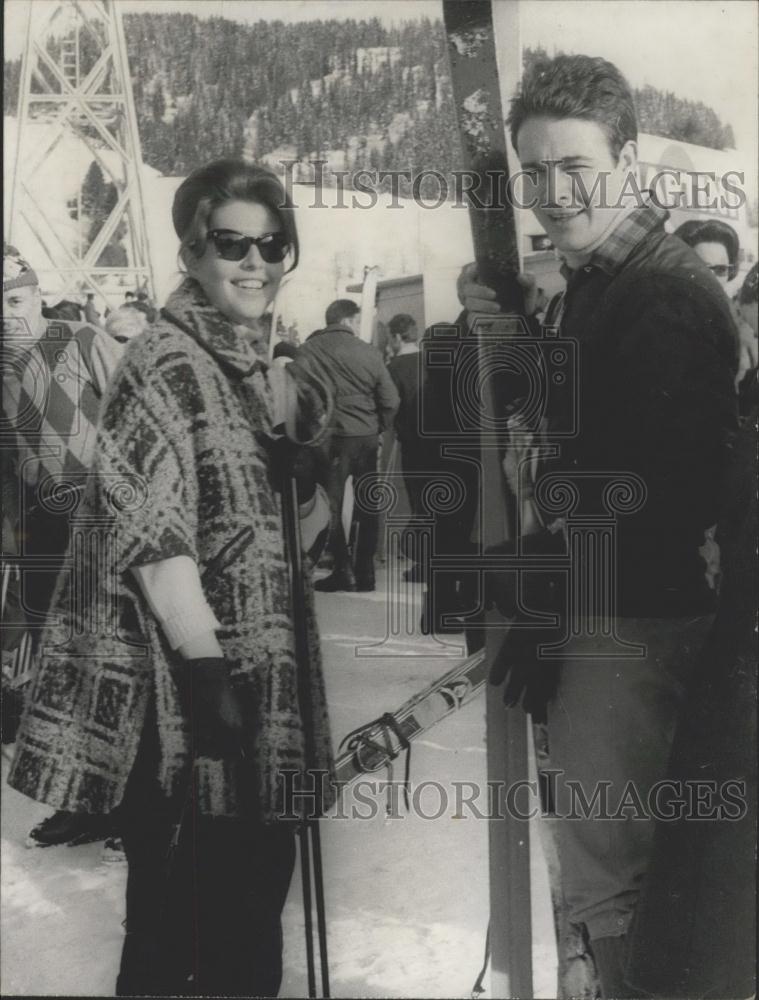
(178, 470)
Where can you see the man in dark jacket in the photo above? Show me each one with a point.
(405, 370)
(365, 401)
(655, 392)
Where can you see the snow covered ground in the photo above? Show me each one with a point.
(407, 898)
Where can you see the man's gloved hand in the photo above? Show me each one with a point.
(213, 707)
(530, 679)
(478, 298)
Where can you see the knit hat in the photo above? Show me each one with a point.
(16, 271)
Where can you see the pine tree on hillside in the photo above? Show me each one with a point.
(158, 103)
(214, 74)
(94, 194)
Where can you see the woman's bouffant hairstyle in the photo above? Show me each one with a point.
(221, 181)
(585, 87)
(696, 231)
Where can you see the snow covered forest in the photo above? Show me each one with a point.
(355, 93)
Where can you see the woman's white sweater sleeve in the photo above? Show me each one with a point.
(175, 595)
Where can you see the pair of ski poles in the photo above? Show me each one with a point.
(309, 833)
(312, 876)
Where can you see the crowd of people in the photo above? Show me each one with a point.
(181, 438)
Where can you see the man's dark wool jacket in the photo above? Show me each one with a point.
(657, 358)
(657, 362)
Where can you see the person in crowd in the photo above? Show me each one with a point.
(141, 304)
(747, 299)
(129, 298)
(64, 309)
(186, 715)
(54, 376)
(718, 246)
(716, 243)
(91, 314)
(655, 392)
(125, 323)
(145, 305)
(404, 369)
(365, 401)
(402, 331)
(748, 309)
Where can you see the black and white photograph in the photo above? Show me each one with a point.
(380, 410)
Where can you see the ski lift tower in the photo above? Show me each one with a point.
(75, 108)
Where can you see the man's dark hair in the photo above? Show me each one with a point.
(340, 310)
(696, 231)
(128, 295)
(585, 87)
(90, 296)
(404, 326)
(142, 296)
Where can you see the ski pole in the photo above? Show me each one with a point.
(305, 877)
(310, 840)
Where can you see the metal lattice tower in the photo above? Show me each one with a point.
(76, 108)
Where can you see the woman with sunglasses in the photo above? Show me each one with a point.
(171, 685)
(716, 243)
(718, 246)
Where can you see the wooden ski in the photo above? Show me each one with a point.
(477, 94)
(368, 304)
(485, 59)
(375, 746)
(476, 88)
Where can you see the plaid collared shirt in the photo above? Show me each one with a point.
(624, 238)
(616, 248)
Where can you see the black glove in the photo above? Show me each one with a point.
(529, 678)
(293, 460)
(304, 465)
(213, 707)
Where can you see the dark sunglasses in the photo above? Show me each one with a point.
(230, 245)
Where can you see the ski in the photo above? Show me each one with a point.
(369, 305)
(375, 745)
(476, 88)
(477, 49)
(485, 61)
